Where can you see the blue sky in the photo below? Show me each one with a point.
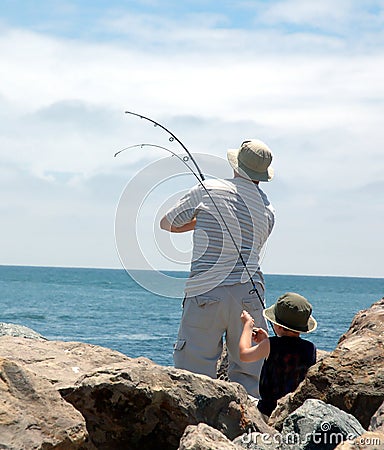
(304, 76)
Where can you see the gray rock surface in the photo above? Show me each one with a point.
(11, 329)
(141, 405)
(33, 415)
(202, 437)
(318, 426)
(351, 377)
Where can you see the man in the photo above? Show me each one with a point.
(228, 217)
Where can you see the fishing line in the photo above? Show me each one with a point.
(184, 160)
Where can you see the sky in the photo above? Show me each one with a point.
(303, 76)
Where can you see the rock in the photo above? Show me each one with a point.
(222, 365)
(371, 440)
(203, 437)
(321, 354)
(140, 405)
(134, 403)
(351, 377)
(33, 415)
(10, 329)
(316, 425)
(285, 405)
(62, 363)
(377, 420)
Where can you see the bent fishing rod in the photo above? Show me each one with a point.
(200, 178)
(171, 139)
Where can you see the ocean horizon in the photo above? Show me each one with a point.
(180, 272)
(108, 307)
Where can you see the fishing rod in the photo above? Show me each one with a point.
(184, 160)
(171, 139)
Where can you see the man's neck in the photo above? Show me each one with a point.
(237, 175)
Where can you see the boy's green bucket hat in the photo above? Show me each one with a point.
(292, 311)
(252, 160)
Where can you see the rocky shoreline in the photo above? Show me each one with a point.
(70, 395)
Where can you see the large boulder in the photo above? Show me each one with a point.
(142, 405)
(62, 363)
(318, 426)
(313, 426)
(33, 415)
(351, 377)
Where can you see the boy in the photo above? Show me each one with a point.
(287, 357)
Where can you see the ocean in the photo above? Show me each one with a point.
(107, 307)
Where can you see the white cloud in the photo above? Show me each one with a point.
(307, 13)
(349, 19)
(317, 99)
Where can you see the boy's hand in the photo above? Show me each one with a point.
(247, 319)
(259, 334)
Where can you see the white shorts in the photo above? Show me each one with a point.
(206, 318)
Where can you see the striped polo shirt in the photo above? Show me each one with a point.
(238, 204)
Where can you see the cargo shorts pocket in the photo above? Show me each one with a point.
(255, 309)
(200, 311)
(179, 344)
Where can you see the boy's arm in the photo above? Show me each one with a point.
(246, 351)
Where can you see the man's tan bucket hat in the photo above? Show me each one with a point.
(252, 160)
(292, 311)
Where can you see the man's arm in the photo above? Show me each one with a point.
(182, 217)
(167, 226)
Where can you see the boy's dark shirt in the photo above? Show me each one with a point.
(287, 364)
